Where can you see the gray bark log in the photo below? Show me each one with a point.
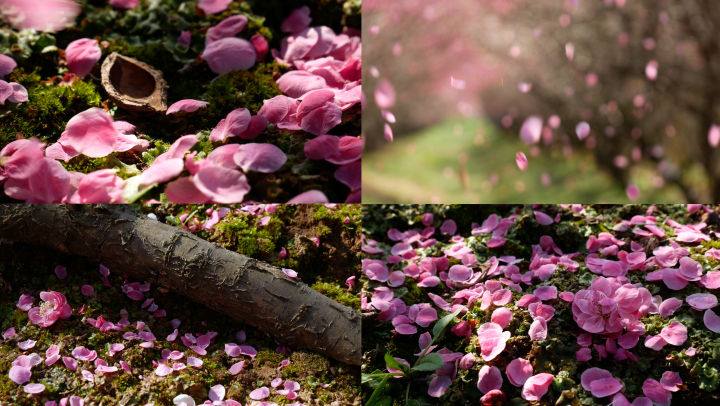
(245, 289)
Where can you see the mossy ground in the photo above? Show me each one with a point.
(556, 355)
(149, 33)
(325, 267)
(29, 269)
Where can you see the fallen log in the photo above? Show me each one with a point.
(243, 288)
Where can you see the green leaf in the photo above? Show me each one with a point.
(374, 377)
(429, 362)
(132, 191)
(377, 393)
(440, 326)
(394, 364)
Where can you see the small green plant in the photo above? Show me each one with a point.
(426, 362)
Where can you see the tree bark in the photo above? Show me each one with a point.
(245, 289)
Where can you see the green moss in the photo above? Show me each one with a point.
(337, 293)
(268, 357)
(246, 89)
(49, 108)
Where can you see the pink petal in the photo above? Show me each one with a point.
(502, 316)
(7, 65)
(702, 301)
(186, 105)
(632, 192)
(388, 132)
(82, 55)
(216, 393)
(178, 149)
(213, 6)
(521, 161)
(651, 70)
(228, 27)
(603, 387)
(322, 147)
(236, 367)
(714, 136)
(654, 390)
(350, 175)
(518, 371)
(319, 112)
(712, 321)
(489, 378)
(281, 111)
(161, 172)
(236, 123)
(582, 130)
(264, 158)
(297, 83)
(19, 374)
(183, 190)
(124, 4)
(531, 130)
(674, 333)
(50, 182)
(91, 133)
(228, 54)
(261, 46)
(538, 329)
(101, 186)
(40, 15)
(163, 370)
(542, 218)
(439, 385)
(297, 21)
(536, 386)
(385, 95)
(311, 196)
(221, 185)
(260, 393)
(34, 388)
(670, 381)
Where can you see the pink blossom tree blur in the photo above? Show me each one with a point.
(635, 83)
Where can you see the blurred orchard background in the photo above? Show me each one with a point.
(609, 100)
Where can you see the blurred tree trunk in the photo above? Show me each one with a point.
(243, 288)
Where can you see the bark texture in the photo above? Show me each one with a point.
(245, 289)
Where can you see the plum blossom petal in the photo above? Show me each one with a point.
(674, 333)
(124, 4)
(34, 388)
(702, 301)
(712, 321)
(536, 386)
(319, 112)
(82, 55)
(213, 6)
(228, 27)
(439, 385)
(19, 374)
(521, 161)
(489, 378)
(311, 196)
(186, 105)
(264, 158)
(228, 54)
(221, 185)
(518, 371)
(531, 130)
(260, 393)
(217, 393)
(297, 21)
(7, 65)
